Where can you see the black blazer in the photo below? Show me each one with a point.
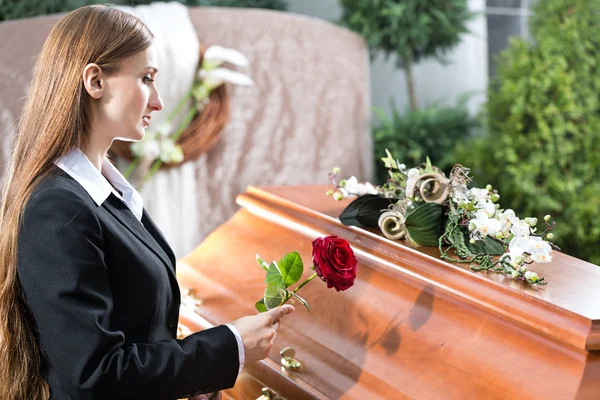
(101, 287)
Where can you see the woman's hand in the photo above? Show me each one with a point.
(259, 332)
(208, 396)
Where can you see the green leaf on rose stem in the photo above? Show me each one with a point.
(262, 263)
(260, 305)
(274, 296)
(291, 268)
(274, 275)
(301, 300)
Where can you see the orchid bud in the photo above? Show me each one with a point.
(329, 193)
(338, 196)
(343, 183)
(515, 274)
(495, 197)
(550, 236)
(488, 188)
(499, 235)
(472, 241)
(534, 277)
(523, 269)
(531, 221)
(472, 226)
(528, 275)
(547, 217)
(519, 260)
(336, 170)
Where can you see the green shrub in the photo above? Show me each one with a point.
(428, 132)
(543, 117)
(12, 9)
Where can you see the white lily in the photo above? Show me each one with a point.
(214, 56)
(216, 77)
(485, 225)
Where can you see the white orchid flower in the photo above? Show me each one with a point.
(214, 56)
(216, 77)
(353, 187)
(515, 257)
(541, 257)
(506, 217)
(480, 194)
(520, 227)
(538, 248)
(485, 225)
(487, 206)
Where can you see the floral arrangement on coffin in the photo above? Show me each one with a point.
(160, 146)
(422, 205)
(334, 263)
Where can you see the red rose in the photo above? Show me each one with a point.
(334, 262)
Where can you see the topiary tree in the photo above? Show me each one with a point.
(544, 124)
(12, 9)
(409, 29)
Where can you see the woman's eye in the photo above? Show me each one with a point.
(147, 79)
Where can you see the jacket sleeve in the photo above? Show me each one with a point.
(60, 263)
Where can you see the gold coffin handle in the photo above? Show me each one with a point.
(269, 394)
(288, 359)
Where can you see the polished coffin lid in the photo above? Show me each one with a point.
(412, 326)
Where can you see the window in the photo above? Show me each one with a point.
(505, 18)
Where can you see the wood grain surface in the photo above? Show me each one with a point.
(412, 326)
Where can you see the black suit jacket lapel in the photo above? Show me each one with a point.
(158, 236)
(123, 214)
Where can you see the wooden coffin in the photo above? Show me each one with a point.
(413, 326)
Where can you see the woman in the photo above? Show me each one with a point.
(88, 298)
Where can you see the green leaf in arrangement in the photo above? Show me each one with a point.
(291, 268)
(389, 160)
(260, 305)
(301, 300)
(274, 296)
(486, 246)
(262, 263)
(424, 224)
(274, 275)
(364, 211)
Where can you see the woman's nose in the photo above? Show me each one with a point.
(155, 102)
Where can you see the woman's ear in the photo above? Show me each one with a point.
(92, 80)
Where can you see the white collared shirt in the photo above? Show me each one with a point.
(96, 183)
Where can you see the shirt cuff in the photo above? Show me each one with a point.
(240, 344)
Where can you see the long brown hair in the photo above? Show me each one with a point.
(56, 118)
